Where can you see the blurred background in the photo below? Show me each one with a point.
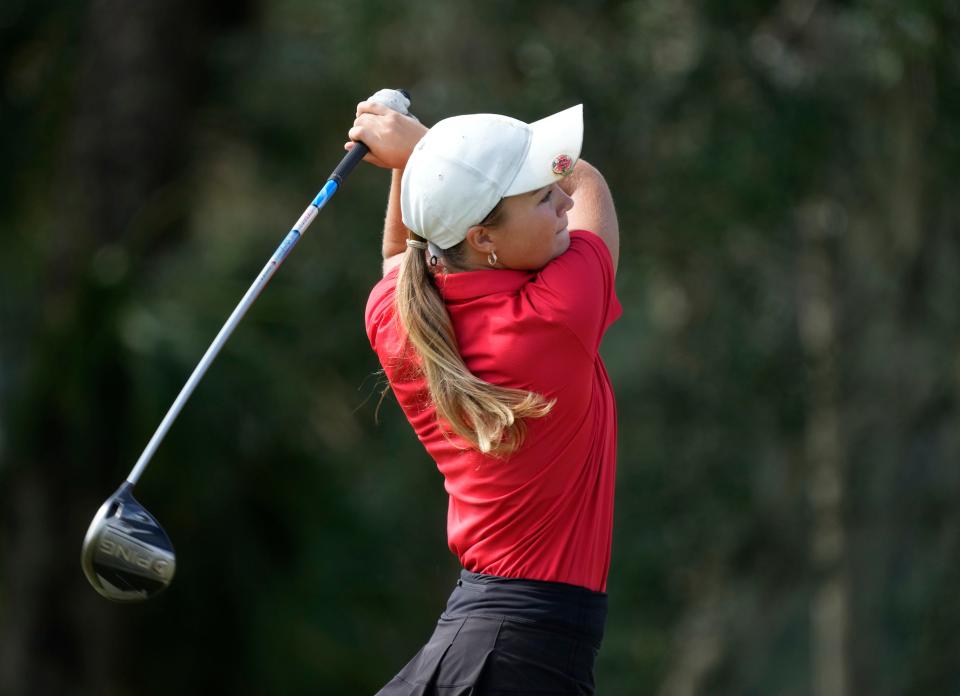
(787, 366)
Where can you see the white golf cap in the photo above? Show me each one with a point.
(464, 165)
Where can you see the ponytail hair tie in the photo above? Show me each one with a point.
(416, 244)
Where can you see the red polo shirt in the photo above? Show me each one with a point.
(546, 512)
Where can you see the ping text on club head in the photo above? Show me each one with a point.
(129, 554)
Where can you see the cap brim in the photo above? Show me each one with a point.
(553, 137)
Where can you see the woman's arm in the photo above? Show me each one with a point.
(391, 138)
(592, 206)
(394, 231)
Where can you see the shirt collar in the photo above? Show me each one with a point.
(471, 284)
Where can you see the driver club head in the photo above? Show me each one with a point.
(127, 556)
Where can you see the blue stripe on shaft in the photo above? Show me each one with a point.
(326, 192)
(293, 236)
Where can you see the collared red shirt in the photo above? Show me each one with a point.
(545, 512)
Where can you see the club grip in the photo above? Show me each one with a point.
(347, 164)
(359, 150)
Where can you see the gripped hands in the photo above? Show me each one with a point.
(391, 136)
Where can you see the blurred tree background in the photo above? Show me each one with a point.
(787, 366)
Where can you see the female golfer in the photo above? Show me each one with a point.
(500, 249)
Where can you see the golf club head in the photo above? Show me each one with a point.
(127, 556)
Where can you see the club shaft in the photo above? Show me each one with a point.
(293, 236)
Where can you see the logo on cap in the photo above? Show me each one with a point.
(562, 165)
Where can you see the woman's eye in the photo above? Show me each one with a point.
(547, 196)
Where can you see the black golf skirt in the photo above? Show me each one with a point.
(506, 636)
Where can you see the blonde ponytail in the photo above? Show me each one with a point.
(489, 417)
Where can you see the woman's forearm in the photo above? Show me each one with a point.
(394, 231)
(593, 208)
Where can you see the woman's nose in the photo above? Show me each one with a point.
(565, 201)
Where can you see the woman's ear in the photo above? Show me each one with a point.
(479, 238)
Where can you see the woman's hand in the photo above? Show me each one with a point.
(391, 136)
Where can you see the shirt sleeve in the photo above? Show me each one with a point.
(577, 289)
(379, 304)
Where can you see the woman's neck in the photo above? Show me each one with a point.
(472, 261)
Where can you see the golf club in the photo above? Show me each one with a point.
(127, 556)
